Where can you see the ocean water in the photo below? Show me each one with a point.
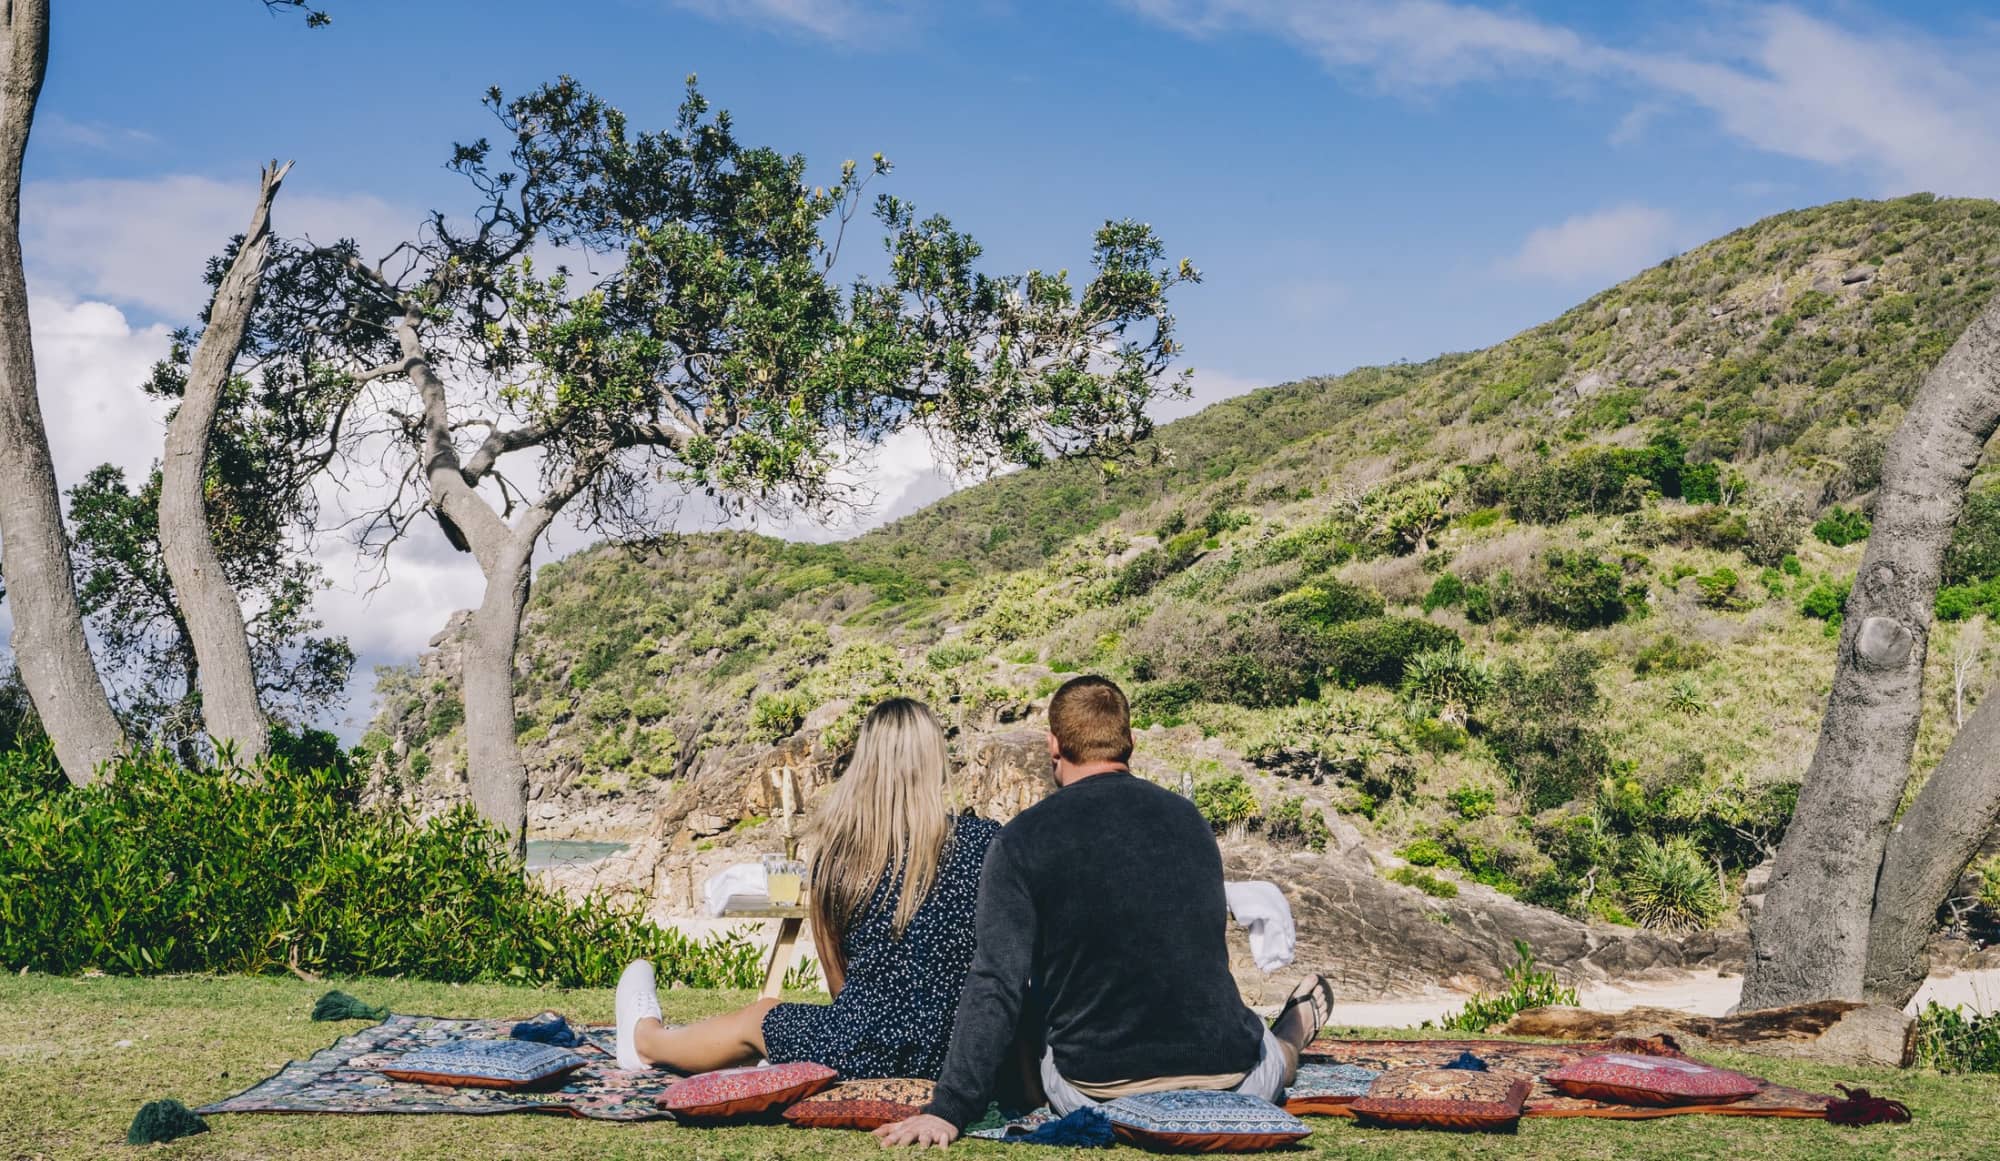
(567, 852)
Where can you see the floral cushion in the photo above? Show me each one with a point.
(485, 1064)
(1203, 1122)
(1328, 1088)
(733, 1093)
(862, 1104)
(1623, 1078)
(1443, 1098)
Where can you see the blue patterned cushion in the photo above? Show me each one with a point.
(1324, 1087)
(485, 1063)
(1207, 1122)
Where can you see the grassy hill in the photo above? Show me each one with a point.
(1555, 616)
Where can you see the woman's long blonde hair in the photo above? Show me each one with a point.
(886, 814)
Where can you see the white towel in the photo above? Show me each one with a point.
(1261, 908)
(740, 879)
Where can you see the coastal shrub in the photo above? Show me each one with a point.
(1424, 881)
(1154, 565)
(1957, 602)
(1578, 590)
(778, 715)
(1957, 1040)
(1841, 527)
(1671, 654)
(1542, 725)
(1717, 589)
(1326, 603)
(1598, 479)
(953, 654)
(1375, 651)
(1471, 801)
(1776, 527)
(1670, 887)
(1523, 986)
(1225, 801)
(1974, 554)
(1826, 600)
(1296, 824)
(1447, 683)
(165, 868)
(1163, 702)
(1446, 592)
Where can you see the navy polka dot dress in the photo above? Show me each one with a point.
(893, 1015)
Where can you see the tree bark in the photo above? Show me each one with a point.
(49, 645)
(229, 705)
(495, 772)
(1810, 941)
(1930, 848)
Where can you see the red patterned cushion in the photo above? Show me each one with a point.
(1443, 1098)
(733, 1093)
(1622, 1078)
(862, 1104)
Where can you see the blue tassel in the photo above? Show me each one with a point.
(1085, 1128)
(553, 1030)
(1468, 1062)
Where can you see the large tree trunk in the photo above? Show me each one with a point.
(1932, 844)
(1810, 941)
(495, 773)
(49, 644)
(229, 704)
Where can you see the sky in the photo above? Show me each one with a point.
(1359, 181)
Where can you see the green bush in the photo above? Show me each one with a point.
(1426, 852)
(1225, 801)
(953, 654)
(1718, 588)
(1446, 592)
(779, 715)
(162, 868)
(1974, 554)
(1598, 479)
(1375, 650)
(1670, 654)
(1542, 725)
(1471, 802)
(1826, 600)
(1525, 986)
(1295, 823)
(1154, 565)
(1163, 702)
(1326, 603)
(1447, 683)
(1841, 527)
(1578, 590)
(1955, 1040)
(1424, 881)
(1670, 887)
(1957, 602)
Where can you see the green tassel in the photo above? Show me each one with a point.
(337, 1005)
(167, 1120)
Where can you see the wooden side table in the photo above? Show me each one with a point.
(790, 920)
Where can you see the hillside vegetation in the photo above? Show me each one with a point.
(1556, 616)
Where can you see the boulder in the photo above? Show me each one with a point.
(1827, 1031)
(1376, 938)
(1001, 774)
(1857, 274)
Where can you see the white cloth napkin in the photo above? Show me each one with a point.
(1261, 908)
(740, 879)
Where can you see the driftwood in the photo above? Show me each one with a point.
(1831, 1031)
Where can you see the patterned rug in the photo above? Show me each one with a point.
(1327, 1081)
(344, 1078)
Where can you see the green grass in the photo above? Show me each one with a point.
(71, 1089)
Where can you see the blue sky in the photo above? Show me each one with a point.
(1359, 180)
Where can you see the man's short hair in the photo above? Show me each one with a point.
(1091, 720)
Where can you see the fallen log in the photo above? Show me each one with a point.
(1828, 1031)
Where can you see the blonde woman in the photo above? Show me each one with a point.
(893, 884)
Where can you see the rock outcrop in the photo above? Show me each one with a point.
(1829, 1031)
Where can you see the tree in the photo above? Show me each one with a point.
(1854, 892)
(149, 648)
(48, 639)
(210, 617)
(713, 353)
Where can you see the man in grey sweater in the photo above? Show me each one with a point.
(1106, 899)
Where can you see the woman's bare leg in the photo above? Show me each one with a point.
(725, 1041)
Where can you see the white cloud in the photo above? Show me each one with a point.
(1885, 101)
(146, 242)
(854, 23)
(89, 363)
(1603, 246)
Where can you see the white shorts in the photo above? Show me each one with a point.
(1266, 1080)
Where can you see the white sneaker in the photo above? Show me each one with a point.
(637, 999)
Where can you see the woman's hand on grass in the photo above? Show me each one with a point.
(922, 1131)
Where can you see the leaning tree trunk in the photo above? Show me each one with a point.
(1929, 849)
(1810, 941)
(495, 772)
(229, 704)
(50, 648)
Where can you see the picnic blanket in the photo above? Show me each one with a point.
(345, 1078)
(1325, 1078)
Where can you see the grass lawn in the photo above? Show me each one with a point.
(79, 1056)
